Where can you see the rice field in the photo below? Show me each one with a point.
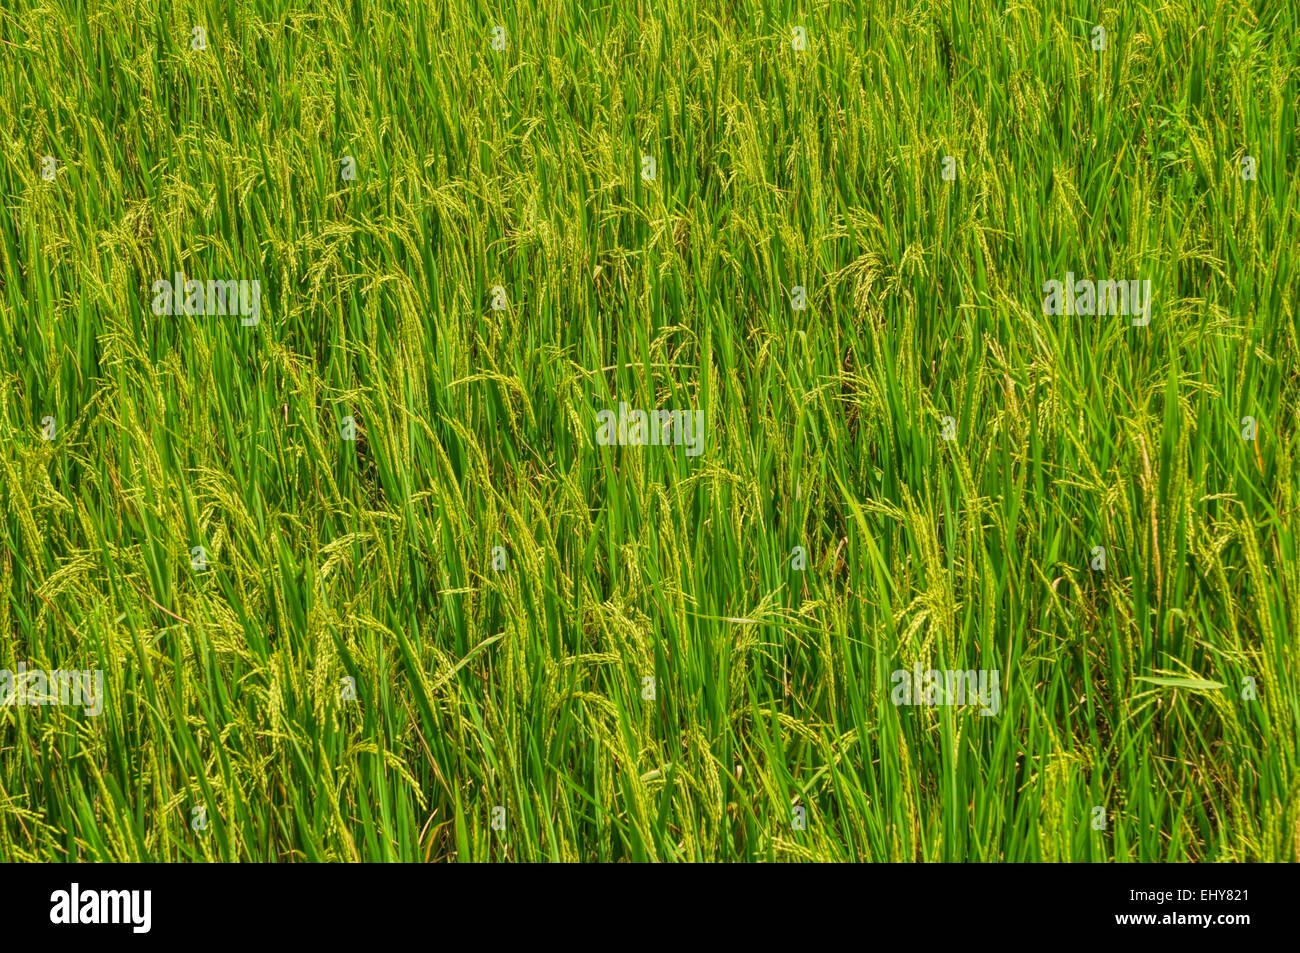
(595, 430)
